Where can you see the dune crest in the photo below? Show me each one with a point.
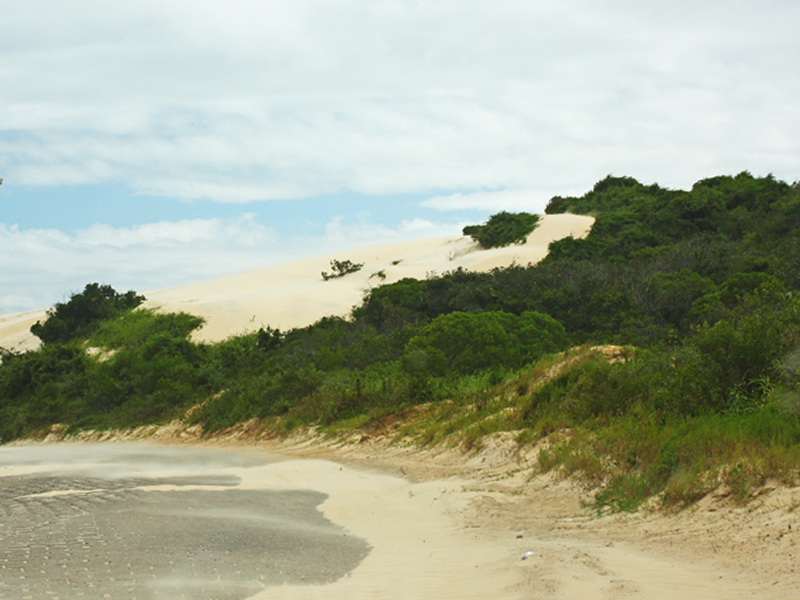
(294, 294)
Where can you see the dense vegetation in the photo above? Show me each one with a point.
(83, 313)
(503, 229)
(700, 289)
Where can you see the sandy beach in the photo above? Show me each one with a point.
(422, 523)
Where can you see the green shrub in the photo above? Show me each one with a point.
(340, 268)
(83, 312)
(705, 282)
(465, 343)
(136, 327)
(503, 229)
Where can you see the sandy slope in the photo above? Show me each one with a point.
(15, 330)
(294, 294)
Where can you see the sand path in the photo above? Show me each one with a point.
(447, 524)
(436, 539)
(480, 514)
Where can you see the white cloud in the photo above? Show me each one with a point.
(241, 232)
(340, 235)
(249, 100)
(533, 201)
(39, 267)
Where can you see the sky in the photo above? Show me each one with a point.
(152, 143)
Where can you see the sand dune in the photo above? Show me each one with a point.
(15, 330)
(294, 294)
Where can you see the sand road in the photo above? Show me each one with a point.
(143, 521)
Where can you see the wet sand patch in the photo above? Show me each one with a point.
(177, 535)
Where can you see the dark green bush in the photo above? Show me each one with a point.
(503, 229)
(78, 317)
(470, 342)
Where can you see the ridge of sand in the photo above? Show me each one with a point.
(294, 294)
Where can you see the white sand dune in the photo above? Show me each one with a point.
(294, 294)
(15, 330)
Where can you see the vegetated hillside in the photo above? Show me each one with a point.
(700, 286)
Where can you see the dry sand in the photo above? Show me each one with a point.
(485, 512)
(451, 525)
(295, 295)
(15, 330)
(443, 523)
